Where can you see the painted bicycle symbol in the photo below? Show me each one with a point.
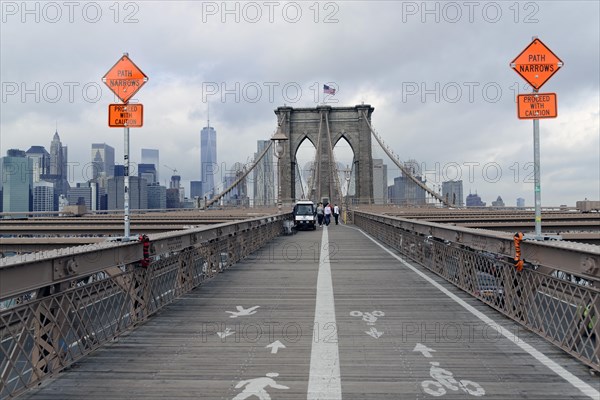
(368, 317)
(444, 379)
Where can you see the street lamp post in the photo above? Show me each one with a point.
(279, 137)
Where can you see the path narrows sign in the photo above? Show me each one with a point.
(125, 79)
(536, 64)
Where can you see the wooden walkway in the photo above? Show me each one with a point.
(341, 318)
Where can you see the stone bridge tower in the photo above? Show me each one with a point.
(324, 126)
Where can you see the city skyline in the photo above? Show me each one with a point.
(437, 74)
(104, 154)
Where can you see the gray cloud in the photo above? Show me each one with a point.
(434, 84)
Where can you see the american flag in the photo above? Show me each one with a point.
(328, 90)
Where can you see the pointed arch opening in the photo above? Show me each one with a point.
(305, 164)
(344, 157)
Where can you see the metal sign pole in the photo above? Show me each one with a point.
(126, 185)
(536, 64)
(536, 176)
(125, 79)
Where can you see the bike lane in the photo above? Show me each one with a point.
(402, 336)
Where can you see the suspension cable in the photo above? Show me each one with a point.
(240, 179)
(404, 170)
(336, 176)
(316, 175)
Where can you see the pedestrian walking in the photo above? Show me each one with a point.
(320, 214)
(336, 213)
(327, 212)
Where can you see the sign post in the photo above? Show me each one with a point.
(536, 64)
(125, 79)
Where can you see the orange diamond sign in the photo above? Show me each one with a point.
(536, 64)
(125, 79)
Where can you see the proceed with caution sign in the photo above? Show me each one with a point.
(537, 106)
(125, 115)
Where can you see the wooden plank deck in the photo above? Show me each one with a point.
(388, 320)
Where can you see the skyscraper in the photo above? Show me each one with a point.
(58, 166)
(148, 172)
(138, 193)
(498, 203)
(208, 159)
(56, 156)
(380, 187)
(43, 196)
(41, 162)
(406, 192)
(103, 160)
(150, 156)
(264, 177)
(196, 189)
(157, 196)
(17, 178)
(452, 192)
(473, 200)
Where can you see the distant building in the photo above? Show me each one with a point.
(138, 193)
(196, 189)
(208, 159)
(264, 176)
(157, 196)
(172, 200)
(88, 193)
(43, 196)
(238, 196)
(521, 202)
(103, 161)
(380, 190)
(58, 166)
(406, 192)
(148, 172)
(119, 170)
(473, 200)
(176, 185)
(17, 182)
(150, 156)
(498, 203)
(41, 162)
(452, 192)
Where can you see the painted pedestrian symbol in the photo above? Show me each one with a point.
(242, 312)
(368, 317)
(257, 387)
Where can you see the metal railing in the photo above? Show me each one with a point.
(60, 306)
(560, 305)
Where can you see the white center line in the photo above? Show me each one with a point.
(324, 380)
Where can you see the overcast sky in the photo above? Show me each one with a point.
(437, 74)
